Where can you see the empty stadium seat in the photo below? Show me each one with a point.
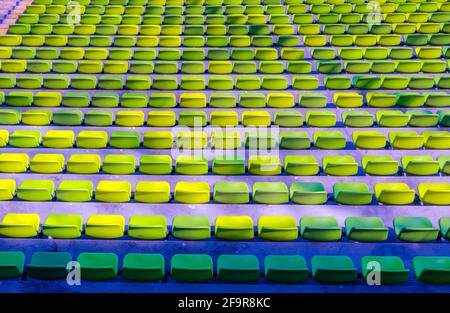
(333, 269)
(191, 267)
(49, 265)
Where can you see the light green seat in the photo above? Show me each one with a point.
(308, 193)
(270, 192)
(98, 266)
(192, 118)
(231, 192)
(329, 140)
(294, 140)
(444, 164)
(147, 227)
(155, 164)
(394, 193)
(415, 229)
(369, 139)
(192, 192)
(301, 165)
(321, 228)
(98, 118)
(333, 269)
(76, 99)
(58, 139)
(83, 164)
(422, 118)
(14, 162)
(63, 226)
(352, 193)
(191, 267)
(92, 139)
(12, 264)
(436, 139)
(4, 137)
(134, 100)
(348, 99)
(234, 228)
(113, 191)
(392, 269)
(152, 192)
(143, 267)
(391, 118)
(339, 165)
(124, 140)
(105, 100)
(36, 190)
(444, 225)
(277, 228)
(366, 229)
(191, 140)
(119, 164)
(191, 227)
(47, 163)
(49, 265)
(158, 140)
(228, 166)
(288, 119)
(10, 117)
(285, 268)
(420, 165)
(432, 269)
(434, 193)
(357, 118)
(238, 268)
(19, 98)
(320, 119)
(264, 165)
(130, 118)
(18, 225)
(161, 118)
(105, 226)
(406, 140)
(25, 138)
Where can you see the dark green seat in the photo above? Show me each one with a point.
(49, 265)
(366, 229)
(98, 266)
(415, 229)
(432, 269)
(308, 193)
(320, 228)
(285, 268)
(238, 268)
(11, 264)
(124, 140)
(333, 269)
(352, 193)
(191, 267)
(444, 225)
(191, 227)
(391, 269)
(143, 267)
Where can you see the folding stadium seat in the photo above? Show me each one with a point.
(392, 269)
(152, 192)
(277, 228)
(193, 100)
(320, 228)
(223, 119)
(238, 268)
(231, 192)
(436, 139)
(352, 193)
(191, 165)
(98, 118)
(155, 164)
(285, 268)
(228, 166)
(83, 163)
(143, 267)
(49, 265)
(191, 227)
(357, 118)
(191, 139)
(105, 226)
(329, 140)
(348, 99)
(192, 192)
(98, 266)
(339, 165)
(36, 190)
(119, 164)
(379, 165)
(329, 67)
(105, 100)
(394, 193)
(158, 140)
(406, 140)
(294, 140)
(432, 269)
(47, 163)
(234, 228)
(124, 140)
(301, 165)
(265, 165)
(333, 269)
(132, 100)
(14, 162)
(11, 264)
(444, 225)
(288, 119)
(369, 139)
(192, 118)
(191, 267)
(63, 226)
(366, 229)
(252, 100)
(270, 192)
(147, 227)
(113, 191)
(420, 165)
(19, 98)
(422, 118)
(415, 229)
(434, 193)
(444, 117)
(74, 191)
(17, 225)
(320, 119)
(436, 99)
(312, 100)
(4, 137)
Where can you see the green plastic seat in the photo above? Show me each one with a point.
(422, 118)
(238, 268)
(58, 139)
(119, 164)
(357, 118)
(436, 139)
(143, 267)
(49, 265)
(191, 227)
(228, 166)
(333, 269)
(444, 225)
(391, 269)
(308, 193)
(158, 140)
(234, 228)
(76, 99)
(288, 119)
(329, 140)
(432, 270)
(444, 164)
(301, 165)
(14, 163)
(265, 165)
(192, 192)
(369, 139)
(352, 193)
(434, 193)
(420, 165)
(124, 140)
(83, 164)
(277, 228)
(155, 164)
(191, 165)
(113, 191)
(47, 163)
(320, 228)
(294, 140)
(231, 192)
(285, 268)
(105, 226)
(10, 117)
(339, 165)
(152, 192)
(63, 226)
(4, 137)
(320, 119)
(415, 229)
(392, 118)
(105, 100)
(366, 229)
(406, 140)
(19, 98)
(270, 192)
(98, 266)
(36, 190)
(147, 227)
(394, 193)
(11, 264)
(17, 225)
(191, 267)
(161, 118)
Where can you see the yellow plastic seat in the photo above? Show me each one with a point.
(369, 139)
(434, 193)
(17, 225)
(14, 162)
(406, 140)
(47, 163)
(105, 226)
(113, 191)
(192, 192)
(58, 139)
(234, 228)
(7, 189)
(394, 193)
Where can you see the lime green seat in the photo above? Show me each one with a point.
(294, 140)
(36, 190)
(270, 192)
(10, 117)
(333, 269)
(434, 193)
(436, 139)
(406, 140)
(25, 138)
(366, 229)
(231, 192)
(432, 269)
(98, 118)
(391, 118)
(308, 193)
(277, 228)
(234, 228)
(191, 165)
(191, 267)
(63, 226)
(444, 225)
(301, 165)
(343, 165)
(379, 165)
(191, 139)
(155, 164)
(98, 266)
(444, 162)
(394, 193)
(68, 117)
(420, 165)
(152, 192)
(352, 193)
(105, 226)
(113, 191)
(224, 119)
(321, 228)
(83, 164)
(288, 119)
(265, 165)
(161, 118)
(158, 140)
(422, 118)
(58, 139)
(285, 268)
(329, 140)
(14, 162)
(19, 98)
(124, 140)
(238, 268)
(92, 139)
(143, 267)
(4, 137)
(320, 119)
(76, 99)
(312, 100)
(147, 227)
(415, 229)
(49, 265)
(119, 164)
(369, 139)
(12, 264)
(256, 118)
(17, 225)
(47, 163)
(192, 192)
(391, 269)
(191, 227)
(130, 118)
(228, 166)
(192, 118)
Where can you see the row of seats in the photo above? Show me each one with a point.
(245, 268)
(222, 82)
(273, 228)
(223, 67)
(228, 140)
(363, 40)
(224, 192)
(394, 118)
(122, 164)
